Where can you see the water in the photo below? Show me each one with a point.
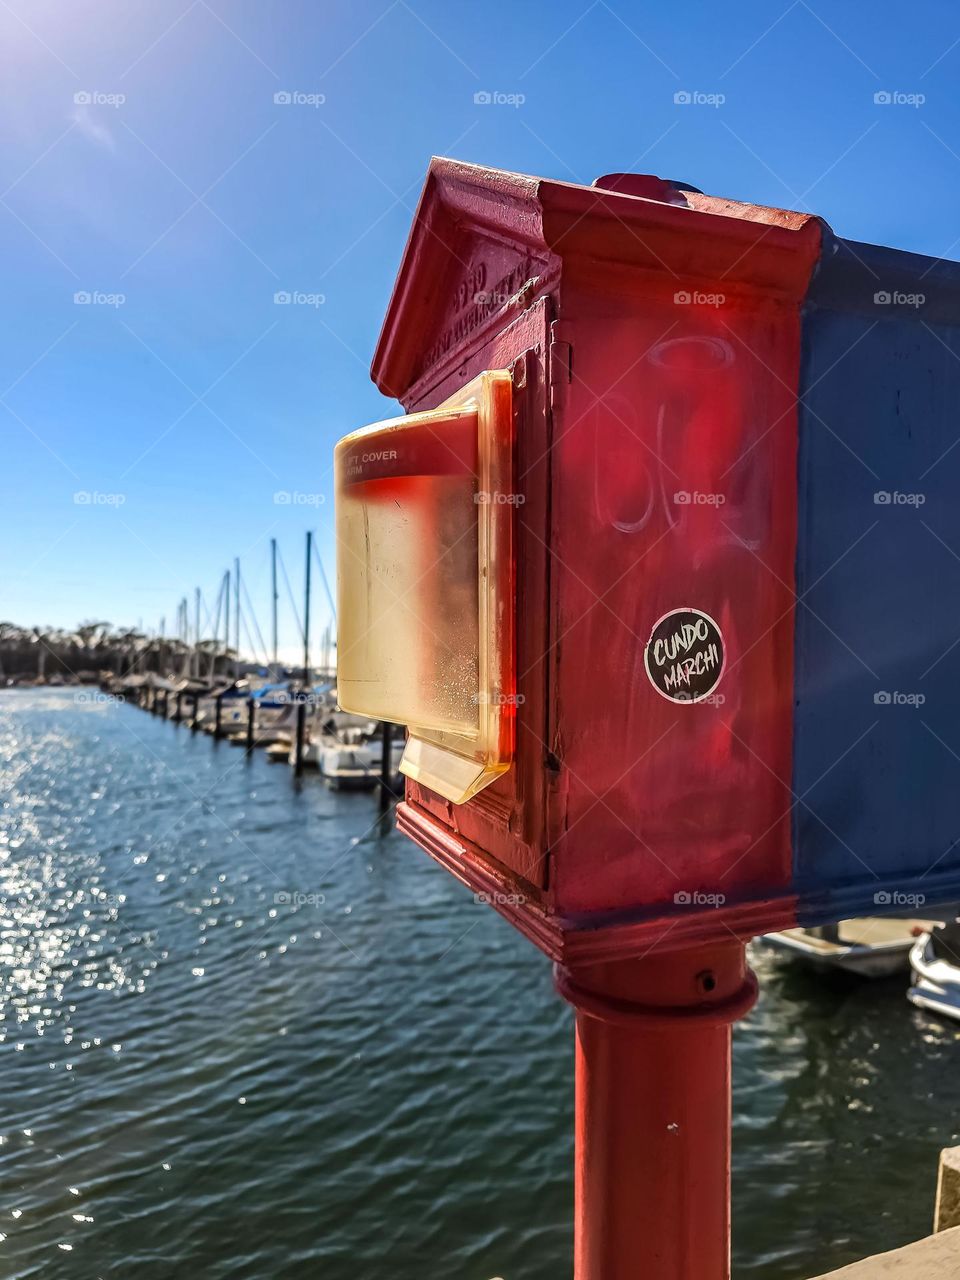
(243, 1036)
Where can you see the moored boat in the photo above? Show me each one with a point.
(352, 762)
(935, 961)
(871, 946)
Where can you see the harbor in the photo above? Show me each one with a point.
(297, 724)
(479, 642)
(201, 677)
(223, 1049)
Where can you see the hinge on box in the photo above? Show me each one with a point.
(561, 368)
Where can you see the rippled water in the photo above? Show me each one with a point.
(245, 1036)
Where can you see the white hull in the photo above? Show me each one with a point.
(233, 714)
(349, 766)
(873, 947)
(936, 981)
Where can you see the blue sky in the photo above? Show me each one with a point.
(144, 158)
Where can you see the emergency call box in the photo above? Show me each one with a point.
(661, 569)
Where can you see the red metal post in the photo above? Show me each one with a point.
(653, 1107)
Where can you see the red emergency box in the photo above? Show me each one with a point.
(642, 571)
(658, 569)
(592, 653)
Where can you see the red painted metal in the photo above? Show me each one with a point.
(622, 808)
(653, 1112)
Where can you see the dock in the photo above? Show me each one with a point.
(935, 1257)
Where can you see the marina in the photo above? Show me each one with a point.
(198, 679)
(480, 642)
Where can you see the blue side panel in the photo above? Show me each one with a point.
(877, 677)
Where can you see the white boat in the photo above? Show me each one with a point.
(352, 762)
(935, 960)
(872, 946)
(275, 723)
(233, 709)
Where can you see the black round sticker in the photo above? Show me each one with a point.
(684, 656)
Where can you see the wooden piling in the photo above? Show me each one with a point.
(251, 722)
(386, 768)
(301, 723)
(179, 706)
(216, 725)
(947, 1211)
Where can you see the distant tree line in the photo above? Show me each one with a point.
(39, 653)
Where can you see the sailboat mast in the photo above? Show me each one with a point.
(274, 599)
(306, 614)
(236, 608)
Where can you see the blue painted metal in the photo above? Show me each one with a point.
(877, 677)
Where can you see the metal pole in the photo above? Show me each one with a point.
(216, 725)
(236, 607)
(306, 617)
(225, 588)
(194, 723)
(386, 770)
(274, 595)
(215, 636)
(301, 721)
(179, 707)
(196, 631)
(653, 1108)
(251, 720)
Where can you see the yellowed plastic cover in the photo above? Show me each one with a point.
(425, 584)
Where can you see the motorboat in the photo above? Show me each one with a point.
(233, 697)
(871, 946)
(935, 961)
(352, 760)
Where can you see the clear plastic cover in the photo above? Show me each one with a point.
(425, 583)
